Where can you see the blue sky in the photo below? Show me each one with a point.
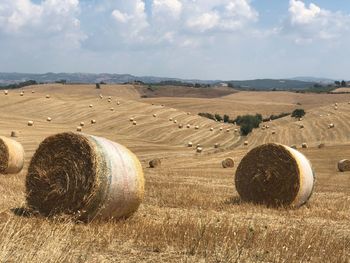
(206, 39)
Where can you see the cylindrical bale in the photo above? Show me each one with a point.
(335, 108)
(199, 149)
(30, 123)
(275, 175)
(109, 100)
(155, 163)
(344, 165)
(236, 130)
(93, 121)
(154, 115)
(111, 109)
(14, 134)
(196, 127)
(221, 129)
(198, 145)
(109, 97)
(48, 119)
(228, 163)
(170, 119)
(211, 129)
(131, 119)
(301, 126)
(190, 144)
(82, 124)
(11, 156)
(304, 145)
(48, 96)
(22, 93)
(175, 121)
(273, 132)
(101, 96)
(84, 176)
(321, 145)
(245, 143)
(180, 126)
(6, 92)
(227, 130)
(331, 126)
(216, 145)
(33, 91)
(134, 123)
(188, 126)
(79, 128)
(118, 102)
(90, 106)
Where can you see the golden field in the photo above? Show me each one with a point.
(191, 211)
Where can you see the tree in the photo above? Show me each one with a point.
(298, 113)
(343, 83)
(218, 117)
(226, 118)
(98, 86)
(337, 83)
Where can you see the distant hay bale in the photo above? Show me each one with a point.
(82, 124)
(155, 163)
(267, 127)
(321, 145)
(198, 145)
(263, 128)
(48, 96)
(118, 102)
(199, 149)
(300, 119)
(301, 126)
(245, 143)
(188, 113)
(162, 105)
(335, 108)
(79, 128)
(111, 109)
(30, 123)
(109, 97)
(227, 130)
(216, 145)
(336, 104)
(90, 106)
(221, 128)
(293, 146)
(22, 93)
(189, 144)
(170, 119)
(180, 126)
(85, 177)
(48, 119)
(93, 121)
(188, 126)
(33, 91)
(154, 115)
(275, 175)
(101, 97)
(304, 145)
(196, 127)
(228, 163)
(11, 156)
(331, 126)
(6, 92)
(175, 121)
(236, 130)
(14, 134)
(344, 165)
(211, 129)
(134, 123)
(131, 119)
(109, 100)
(273, 132)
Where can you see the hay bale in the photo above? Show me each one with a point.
(111, 109)
(188, 113)
(228, 163)
(227, 130)
(188, 126)
(6, 92)
(101, 97)
(48, 96)
(198, 145)
(170, 119)
(22, 93)
(82, 124)
(335, 108)
(236, 130)
(155, 163)
(267, 127)
(263, 128)
(190, 144)
(273, 132)
(11, 156)
(216, 145)
(180, 126)
(134, 123)
(118, 102)
(331, 126)
(79, 128)
(245, 143)
(48, 119)
(30, 123)
(109, 100)
(196, 127)
(14, 134)
(85, 177)
(321, 145)
(344, 165)
(301, 126)
(304, 145)
(275, 175)
(221, 128)
(300, 119)
(336, 104)
(199, 149)
(211, 129)
(175, 121)
(93, 121)
(33, 91)
(90, 106)
(155, 115)
(293, 146)
(131, 119)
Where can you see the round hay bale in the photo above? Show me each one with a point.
(109, 100)
(335, 108)
(48, 119)
(109, 97)
(190, 144)
(82, 124)
(79, 128)
(301, 126)
(275, 175)
(22, 93)
(155, 163)
(84, 176)
(321, 145)
(134, 123)
(216, 145)
(101, 97)
(48, 96)
(118, 102)
(304, 145)
(196, 127)
(221, 128)
(293, 146)
(14, 134)
(188, 126)
(228, 163)
(263, 128)
(6, 92)
(155, 115)
(11, 156)
(199, 149)
(344, 165)
(245, 143)
(331, 126)
(211, 129)
(273, 132)
(198, 145)
(30, 123)
(227, 130)
(131, 119)
(90, 106)
(111, 109)
(236, 130)
(267, 127)
(93, 121)
(175, 121)
(180, 126)
(33, 91)
(170, 119)
(188, 113)
(300, 119)
(336, 104)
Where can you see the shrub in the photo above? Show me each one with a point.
(226, 118)
(218, 117)
(298, 113)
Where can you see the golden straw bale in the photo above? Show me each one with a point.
(82, 124)
(48, 96)
(199, 149)
(14, 134)
(304, 145)
(228, 163)
(175, 121)
(190, 144)
(196, 127)
(118, 102)
(211, 129)
(131, 119)
(6, 92)
(93, 121)
(90, 106)
(344, 165)
(188, 126)
(321, 145)
(155, 163)
(79, 128)
(134, 123)
(48, 119)
(30, 123)
(221, 129)
(22, 93)
(216, 145)
(154, 115)
(275, 175)
(227, 130)
(111, 109)
(11, 156)
(180, 126)
(245, 143)
(170, 119)
(85, 177)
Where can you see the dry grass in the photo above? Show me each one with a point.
(191, 211)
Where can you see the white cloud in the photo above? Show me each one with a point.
(312, 22)
(167, 7)
(204, 22)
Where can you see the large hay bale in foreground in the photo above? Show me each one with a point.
(344, 165)
(84, 176)
(11, 156)
(228, 163)
(155, 163)
(275, 175)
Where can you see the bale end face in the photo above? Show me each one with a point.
(11, 156)
(304, 146)
(228, 163)
(344, 165)
(275, 175)
(155, 163)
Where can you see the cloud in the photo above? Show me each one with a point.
(167, 7)
(308, 23)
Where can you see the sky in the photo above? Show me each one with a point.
(203, 39)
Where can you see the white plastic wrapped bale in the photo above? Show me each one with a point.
(85, 177)
(275, 175)
(11, 156)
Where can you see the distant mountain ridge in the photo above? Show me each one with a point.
(298, 83)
